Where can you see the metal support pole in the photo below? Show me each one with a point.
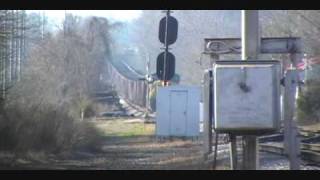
(215, 150)
(250, 153)
(250, 51)
(233, 152)
(208, 109)
(207, 116)
(250, 40)
(165, 83)
(213, 58)
(291, 139)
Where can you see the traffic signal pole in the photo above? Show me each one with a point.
(165, 83)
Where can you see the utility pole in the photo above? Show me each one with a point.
(250, 51)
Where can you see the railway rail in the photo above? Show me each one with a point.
(309, 146)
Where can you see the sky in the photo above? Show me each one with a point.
(57, 16)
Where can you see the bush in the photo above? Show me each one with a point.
(309, 102)
(47, 128)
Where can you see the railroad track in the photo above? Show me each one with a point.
(309, 146)
(129, 109)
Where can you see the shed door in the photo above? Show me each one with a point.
(178, 112)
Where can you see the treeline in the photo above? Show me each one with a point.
(48, 108)
(12, 43)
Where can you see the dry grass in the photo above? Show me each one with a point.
(123, 127)
(126, 144)
(311, 127)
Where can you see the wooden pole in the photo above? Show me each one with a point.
(250, 51)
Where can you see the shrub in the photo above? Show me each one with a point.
(47, 128)
(309, 102)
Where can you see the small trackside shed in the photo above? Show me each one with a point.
(178, 111)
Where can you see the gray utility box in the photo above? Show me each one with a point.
(246, 96)
(178, 111)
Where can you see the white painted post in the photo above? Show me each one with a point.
(250, 36)
(250, 51)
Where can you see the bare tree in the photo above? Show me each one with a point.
(53, 95)
(12, 52)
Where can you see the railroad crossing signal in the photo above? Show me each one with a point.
(170, 66)
(168, 30)
(172, 30)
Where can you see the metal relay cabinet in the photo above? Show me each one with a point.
(178, 111)
(246, 96)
